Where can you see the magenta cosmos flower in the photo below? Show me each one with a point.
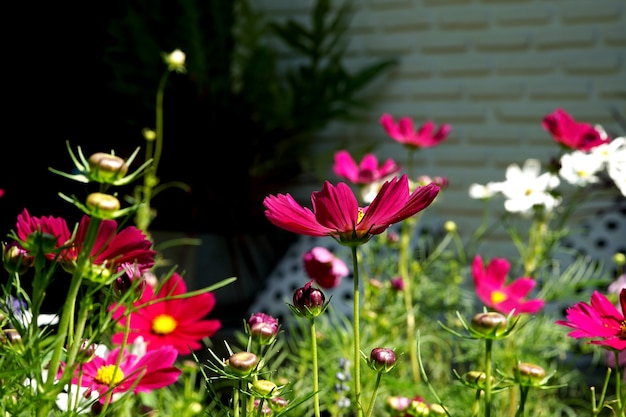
(53, 226)
(336, 211)
(491, 290)
(177, 322)
(599, 320)
(572, 134)
(153, 370)
(324, 267)
(366, 172)
(128, 249)
(404, 132)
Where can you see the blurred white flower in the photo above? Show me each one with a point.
(175, 61)
(580, 168)
(526, 188)
(616, 162)
(483, 192)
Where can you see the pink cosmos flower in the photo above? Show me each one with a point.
(599, 320)
(366, 172)
(491, 290)
(336, 211)
(404, 132)
(151, 371)
(177, 322)
(128, 250)
(572, 134)
(324, 267)
(54, 226)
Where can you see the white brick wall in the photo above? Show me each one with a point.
(491, 68)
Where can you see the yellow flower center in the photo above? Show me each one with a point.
(622, 330)
(528, 191)
(360, 216)
(109, 373)
(163, 324)
(497, 297)
(581, 173)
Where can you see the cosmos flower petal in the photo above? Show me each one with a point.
(283, 211)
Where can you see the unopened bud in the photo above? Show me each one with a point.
(106, 168)
(242, 363)
(308, 302)
(529, 374)
(103, 206)
(490, 323)
(477, 379)
(382, 359)
(264, 388)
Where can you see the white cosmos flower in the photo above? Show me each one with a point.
(616, 163)
(580, 168)
(526, 188)
(483, 192)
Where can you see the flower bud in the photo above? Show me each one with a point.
(106, 168)
(148, 134)
(308, 302)
(477, 379)
(264, 388)
(125, 283)
(10, 336)
(103, 206)
(449, 226)
(418, 408)
(264, 410)
(382, 359)
(397, 284)
(278, 403)
(242, 363)
(529, 374)
(86, 352)
(16, 259)
(490, 323)
(619, 259)
(263, 328)
(175, 61)
(397, 404)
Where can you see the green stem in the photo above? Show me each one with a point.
(370, 409)
(620, 396)
(403, 267)
(488, 347)
(65, 335)
(357, 337)
(522, 403)
(236, 398)
(144, 216)
(316, 389)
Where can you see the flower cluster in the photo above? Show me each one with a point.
(447, 331)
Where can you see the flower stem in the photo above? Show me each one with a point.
(370, 409)
(316, 389)
(356, 330)
(403, 266)
(488, 347)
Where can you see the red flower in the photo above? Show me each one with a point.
(127, 250)
(140, 374)
(324, 267)
(404, 132)
(366, 172)
(572, 134)
(336, 212)
(598, 320)
(53, 226)
(177, 322)
(491, 290)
